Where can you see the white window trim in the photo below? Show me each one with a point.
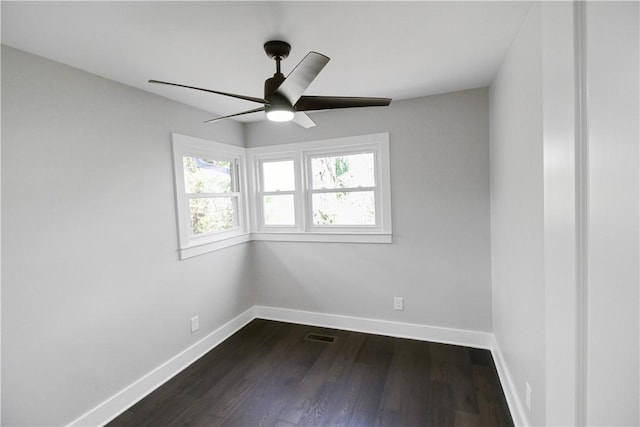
(190, 245)
(301, 153)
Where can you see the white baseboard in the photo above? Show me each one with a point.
(127, 397)
(516, 407)
(380, 327)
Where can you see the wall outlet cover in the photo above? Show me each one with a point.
(195, 324)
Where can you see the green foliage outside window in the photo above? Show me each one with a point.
(209, 213)
(343, 207)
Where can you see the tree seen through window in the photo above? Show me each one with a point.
(208, 183)
(343, 190)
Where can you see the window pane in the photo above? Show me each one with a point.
(278, 176)
(206, 176)
(345, 208)
(213, 214)
(356, 170)
(278, 210)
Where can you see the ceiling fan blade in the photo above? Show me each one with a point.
(302, 75)
(233, 95)
(303, 120)
(310, 103)
(255, 110)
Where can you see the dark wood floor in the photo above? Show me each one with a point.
(268, 374)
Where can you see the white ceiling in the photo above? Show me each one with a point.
(388, 49)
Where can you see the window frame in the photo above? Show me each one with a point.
(338, 152)
(193, 245)
(260, 192)
(302, 153)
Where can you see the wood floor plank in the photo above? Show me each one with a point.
(342, 408)
(408, 375)
(480, 357)
(453, 367)
(491, 403)
(240, 383)
(465, 419)
(366, 406)
(442, 412)
(268, 374)
(416, 410)
(277, 389)
(377, 353)
(320, 406)
(308, 391)
(180, 393)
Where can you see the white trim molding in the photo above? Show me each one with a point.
(136, 391)
(516, 407)
(324, 237)
(461, 337)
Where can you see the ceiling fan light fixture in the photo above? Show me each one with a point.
(280, 115)
(279, 109)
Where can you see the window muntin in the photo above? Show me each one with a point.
(209, 195)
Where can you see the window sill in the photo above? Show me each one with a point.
(204, 248)
(324, 237)
(377, 238)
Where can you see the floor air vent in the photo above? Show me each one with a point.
(320, 338)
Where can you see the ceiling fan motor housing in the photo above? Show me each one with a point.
(272, 84)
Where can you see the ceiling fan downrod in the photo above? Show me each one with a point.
(276, 50)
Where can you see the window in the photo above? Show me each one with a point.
(332, 190)
(277, 192)
(209, 195)
(342, 190)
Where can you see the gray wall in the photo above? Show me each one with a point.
(94, 296)
(517, 208)
(439, 258)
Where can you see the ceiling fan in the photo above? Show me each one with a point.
(283, 96)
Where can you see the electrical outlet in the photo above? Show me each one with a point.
(398, 303)
(195, 324)
(528, 394)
